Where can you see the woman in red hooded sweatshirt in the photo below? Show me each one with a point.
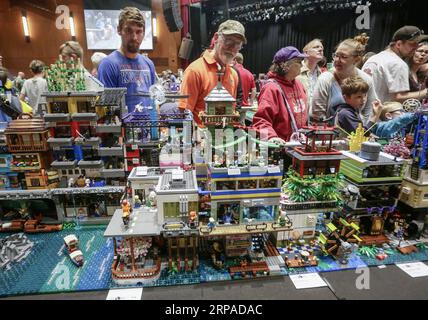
(283, 108)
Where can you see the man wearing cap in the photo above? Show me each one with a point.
(283, 107)
(389, 71)
(200, 77)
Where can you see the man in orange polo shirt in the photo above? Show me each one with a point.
(200, 77)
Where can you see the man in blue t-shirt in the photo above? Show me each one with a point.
(126, 67)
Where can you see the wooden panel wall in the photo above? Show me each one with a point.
(45, 38)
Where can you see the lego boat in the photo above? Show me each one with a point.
(34, 226)
(72, 246)
(135, 276)
(12, 226)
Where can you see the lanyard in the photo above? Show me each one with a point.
(290, 112)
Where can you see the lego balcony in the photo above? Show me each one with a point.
(60, 142)
(112, 173)
(110, 152)
(89, 142)
(27, 141)
(308, 207)
(84, 116)
(108, 128)
(57, 117)
(91, 164)
(59, 165)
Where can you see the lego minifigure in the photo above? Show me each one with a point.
(87, 183)
(137, 201)
(211, 223)
(126, 212)
(192, 219)
(71, 183)
(152, 199)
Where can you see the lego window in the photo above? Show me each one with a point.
(87, 131)
(109, 140)
(268, 183)
(90, 154)
(85, 107)
(14, 139)
(260, 213)
(35, 182)
(62, 131)
(64, 155)
(59, 107)
(97, 209)
(225, 185)
(382, 171)
(171, 210)
(247, 184)
(228, 213)
(219, 110)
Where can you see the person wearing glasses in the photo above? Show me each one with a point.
(419, 58)
(200, 77)
(393, 120)
(389, 70)
(328, 93)
(126, 67)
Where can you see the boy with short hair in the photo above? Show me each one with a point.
(354, 90)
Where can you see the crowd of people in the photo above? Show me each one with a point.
(359, 87)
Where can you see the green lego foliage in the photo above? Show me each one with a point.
(319, 188)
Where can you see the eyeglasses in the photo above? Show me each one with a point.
(340, 56)
(230, 43)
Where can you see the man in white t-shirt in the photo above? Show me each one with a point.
(33, 88)
(389, 71)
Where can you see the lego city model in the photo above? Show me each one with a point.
(27, 142)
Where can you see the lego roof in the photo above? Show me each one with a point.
(164, 186)
(26, 125)
(219, 95)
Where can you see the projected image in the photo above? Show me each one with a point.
(101, 30)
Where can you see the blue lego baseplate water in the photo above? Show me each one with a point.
(48, 268)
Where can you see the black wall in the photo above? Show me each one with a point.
(266, 37)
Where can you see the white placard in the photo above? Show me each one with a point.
(233, 171)
(134, 147)
(125, 294)
(382, 266)
(414, 269)
(136, 161)
(307, 281)
(274, 169)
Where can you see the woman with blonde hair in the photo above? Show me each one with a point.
(72, 51)
(327, 92)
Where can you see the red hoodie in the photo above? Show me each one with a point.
(272, 114)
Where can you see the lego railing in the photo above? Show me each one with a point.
(29, 148)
